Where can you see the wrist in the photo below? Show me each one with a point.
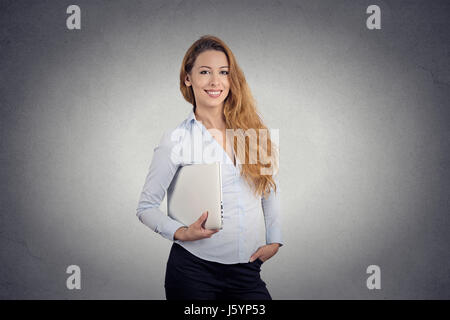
(180, 233)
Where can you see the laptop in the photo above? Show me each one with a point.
(196, 188)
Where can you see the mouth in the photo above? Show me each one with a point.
(214, 93)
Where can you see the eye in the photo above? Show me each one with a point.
(223, 72)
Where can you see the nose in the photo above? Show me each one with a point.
(214, 80)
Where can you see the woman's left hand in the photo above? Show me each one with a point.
(266, 252)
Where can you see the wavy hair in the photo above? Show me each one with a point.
(240, 113)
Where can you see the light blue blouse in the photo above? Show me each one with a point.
(245, 216)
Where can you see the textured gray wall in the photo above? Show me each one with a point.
(364, 141)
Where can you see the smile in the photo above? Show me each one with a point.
(213, 93)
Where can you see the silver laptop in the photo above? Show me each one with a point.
(194, 189)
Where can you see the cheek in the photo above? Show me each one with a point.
(199, 81)
(199, 92)
(198, 88)
(226, 84)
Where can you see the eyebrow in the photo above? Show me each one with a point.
(210, 67)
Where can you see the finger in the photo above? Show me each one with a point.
(204, 221)
(210, 232)
(206, 233)
(202, 218)
(255, 256)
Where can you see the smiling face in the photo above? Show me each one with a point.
(209, 79)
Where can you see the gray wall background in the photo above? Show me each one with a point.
(364, 141)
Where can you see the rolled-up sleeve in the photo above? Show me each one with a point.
(163, 167)
(272, 215)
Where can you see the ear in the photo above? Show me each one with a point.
(187, 82)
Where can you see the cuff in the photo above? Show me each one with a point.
(274, 236)
(169, 228)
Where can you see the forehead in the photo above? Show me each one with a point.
(211, 58)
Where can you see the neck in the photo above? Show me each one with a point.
(211, 117)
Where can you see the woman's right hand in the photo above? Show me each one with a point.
(195, 231)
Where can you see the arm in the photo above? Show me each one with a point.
(159, 177)
(274, 240)
(272, 211)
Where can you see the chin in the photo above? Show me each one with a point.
(213, 104)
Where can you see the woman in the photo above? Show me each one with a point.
(213, 264)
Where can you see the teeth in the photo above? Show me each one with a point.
(213, 92)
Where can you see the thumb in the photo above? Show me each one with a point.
(202, 218)
(254, 256)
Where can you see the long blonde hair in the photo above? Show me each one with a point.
(240, 113)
